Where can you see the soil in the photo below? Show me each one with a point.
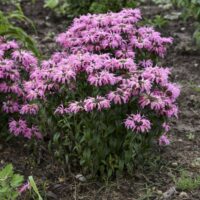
(150, 181)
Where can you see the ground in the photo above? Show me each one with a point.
(164, 169)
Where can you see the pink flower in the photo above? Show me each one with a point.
(156, 74)
(146, 63)
(14, 127)
(17, 127)
(157, 103)
(31, 109)
(29, 62)
(163, 140)
(60, 110)
(12, 44)
(10, 107)
(24, 187)
(172, 91)
(170, 110)
(27, 133)
(103, 32)
(103, 78)
(1, 54)
(137, 123)
(119, 96)
(144, 100)
(74, 107)
(35, 131)
(20, 127)
(89, 104)
(166, 127)
(102, 103)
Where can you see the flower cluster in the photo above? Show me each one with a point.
(108, 57)
(21, 127)
(16, 65)
(105, 49)
(138, 123)
(113, 32)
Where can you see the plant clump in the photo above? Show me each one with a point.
(104, 99)
(16, 65)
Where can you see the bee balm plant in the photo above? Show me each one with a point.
(16, 66)
(104, 98)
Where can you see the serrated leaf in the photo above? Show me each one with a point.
(16, 180)
(6, 172)
(4, 190)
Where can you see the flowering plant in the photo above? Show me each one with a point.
(109, 96)
(16, 65)
(104, 99)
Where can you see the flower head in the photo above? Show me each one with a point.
(24, 187)
(137, 123)
(163, 140)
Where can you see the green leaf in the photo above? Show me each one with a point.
(51, 4)
(6, 172)
(17, 180)
(4, 190)
(34, 186)
(110, 172)
(19, 34)
(10, 30)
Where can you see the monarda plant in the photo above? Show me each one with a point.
(16, 111)
(104, 98)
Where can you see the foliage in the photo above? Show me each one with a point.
(158, 21)
(77, 7)
(161, 1)
(190, 9)
(110, 5)
(11, 2)
(9, 28)
(34, 187)
(186, 182)
(196, 35)
(9, 183)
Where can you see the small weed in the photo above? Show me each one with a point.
(190, 136)
(148, 194)
(186, 182)
(9, 183)
(158, 21)
(196, 35)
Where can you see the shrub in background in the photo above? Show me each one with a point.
(111, 5)
(73, 8)
(105, 99)
(190, 9)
